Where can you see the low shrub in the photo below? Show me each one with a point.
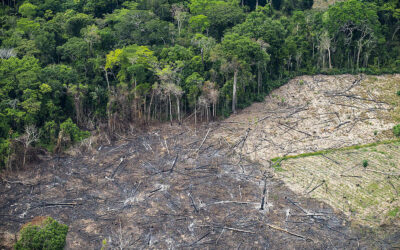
(49, 235)
(396, 130)
(70, 129)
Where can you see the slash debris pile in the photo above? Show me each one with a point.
(181, 191)
(315, 113)
(312, 113)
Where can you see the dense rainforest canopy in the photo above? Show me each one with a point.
(68, 66)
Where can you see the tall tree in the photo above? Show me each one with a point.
(236, 53)
(355, 25)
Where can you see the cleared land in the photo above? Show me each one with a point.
(167, 189)
(329, 113)
(170, 187)
(313, 113)
(363, 183)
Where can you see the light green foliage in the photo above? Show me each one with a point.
(113, 58)
(70, 129)
(355, 26)
(237, 53)
(193, 86)
(394, 212)
(351, 12)
(117, 62)
(104, 244)
(27, 9)
(4, 148)
(27, 26)
(199, 23)
(396, 130)
(241, 49)
(50, 235)
(134, 61)
(261, 27)
(199, 6)
(20, 76)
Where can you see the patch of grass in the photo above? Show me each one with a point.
(396, 130)
(367, 202)
(372, 188)
(277, 166)
(322, 152)
(394, 212)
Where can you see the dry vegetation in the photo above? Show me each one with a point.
(313, 113)
(328, 114)
(324, 4)
(363, 183)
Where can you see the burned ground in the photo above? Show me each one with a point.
(172, 188)
(177, 192)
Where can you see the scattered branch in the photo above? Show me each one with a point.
(288, 232)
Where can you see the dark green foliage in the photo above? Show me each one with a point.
(4, 151)
(398, 93)
(394, 212)
(70, 129)
(365, 163)
(51, 235)
(396, 130)
(68, 66)
(277, 4)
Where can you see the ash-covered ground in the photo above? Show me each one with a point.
(169, 188)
